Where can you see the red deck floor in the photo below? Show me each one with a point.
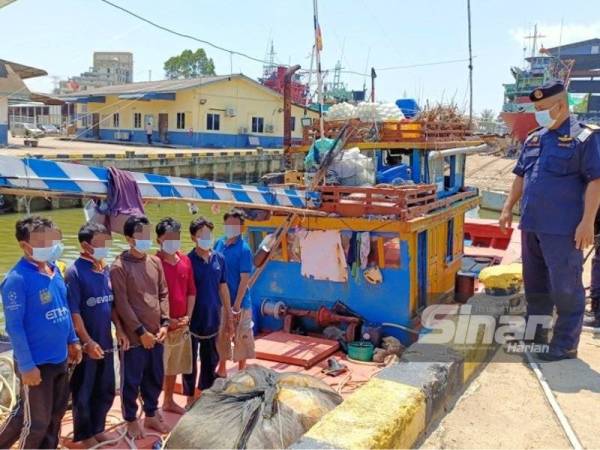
(345, 383)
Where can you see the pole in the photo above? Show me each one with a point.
(470, 66)
(373, 76)
(287, 114)
(318, 44)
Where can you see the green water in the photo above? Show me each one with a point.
(69, 221)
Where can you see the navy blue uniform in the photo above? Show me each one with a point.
(556, 166)
(205, 320)
(90, 295)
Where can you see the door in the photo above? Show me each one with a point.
(163, 126)
(96, 125)
(422, 269)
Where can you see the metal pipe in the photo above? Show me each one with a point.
(456, 151)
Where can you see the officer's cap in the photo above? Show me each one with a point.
(547, 90)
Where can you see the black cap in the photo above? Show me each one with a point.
(547, 90)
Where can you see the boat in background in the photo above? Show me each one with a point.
(542, 67)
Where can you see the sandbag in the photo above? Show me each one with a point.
(256, 408)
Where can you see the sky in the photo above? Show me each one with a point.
(60, 37)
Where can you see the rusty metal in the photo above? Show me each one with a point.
(287, 114)
(323, 317)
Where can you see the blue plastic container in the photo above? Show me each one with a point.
(409, 107)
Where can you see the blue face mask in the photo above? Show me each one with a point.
(544, 119)
(232, 231)
(171, 246)
(57, 251)
(143, 245)
(43, 254)
(100, 253)
(205, 244)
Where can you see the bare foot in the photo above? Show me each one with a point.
(156, 423)
(173, 407)
(102, 437)
(135, 430)
(89, 442)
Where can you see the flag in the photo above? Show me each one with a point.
(318, 35)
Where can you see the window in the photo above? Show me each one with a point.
(137, 120)
(450, 241)
(180, 121)
(258, 125)
(213, 121)
(116, 120)
(595, 49)
(293, 123)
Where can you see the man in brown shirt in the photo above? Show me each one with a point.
(141, 298)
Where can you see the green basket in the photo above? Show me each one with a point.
(361, 350)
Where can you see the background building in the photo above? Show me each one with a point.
(231, 111)
(585, 74)
(13, 89)
(109, 68)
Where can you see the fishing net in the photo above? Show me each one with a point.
(257, 408)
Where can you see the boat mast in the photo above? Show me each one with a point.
(470, 66)
(318, 48)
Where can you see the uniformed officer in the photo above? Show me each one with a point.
(558, 181)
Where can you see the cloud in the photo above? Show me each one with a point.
(571, 32)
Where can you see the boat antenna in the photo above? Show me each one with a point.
(318, 48)
(470, 66)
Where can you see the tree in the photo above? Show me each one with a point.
(189, 64)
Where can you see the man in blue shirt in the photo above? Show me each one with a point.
(238, 260)
(91, 302)
(212, 300)
(39, 324)
(558, 177)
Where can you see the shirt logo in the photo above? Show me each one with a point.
(538, 94)
(57, 315)
(11, 302)
(45, 296)
(93, 301)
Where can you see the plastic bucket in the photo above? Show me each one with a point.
(361, 350)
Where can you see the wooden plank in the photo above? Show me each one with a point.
(304, 351)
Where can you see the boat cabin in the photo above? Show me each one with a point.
(384, 253)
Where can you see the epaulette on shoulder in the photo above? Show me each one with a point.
(587, 130)
(533, 133)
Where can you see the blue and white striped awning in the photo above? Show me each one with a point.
(76, 179)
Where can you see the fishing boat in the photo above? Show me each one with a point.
(541, 67)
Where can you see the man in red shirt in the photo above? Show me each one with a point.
(182, 295)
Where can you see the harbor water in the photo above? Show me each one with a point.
(69, 221)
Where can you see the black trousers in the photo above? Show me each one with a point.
(149, 138)
(92, 383)
(142, 373)
(209, 359)
(47, 403)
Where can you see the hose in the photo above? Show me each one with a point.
(400, 327)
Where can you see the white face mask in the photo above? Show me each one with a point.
(544, 119)
(171, 246)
